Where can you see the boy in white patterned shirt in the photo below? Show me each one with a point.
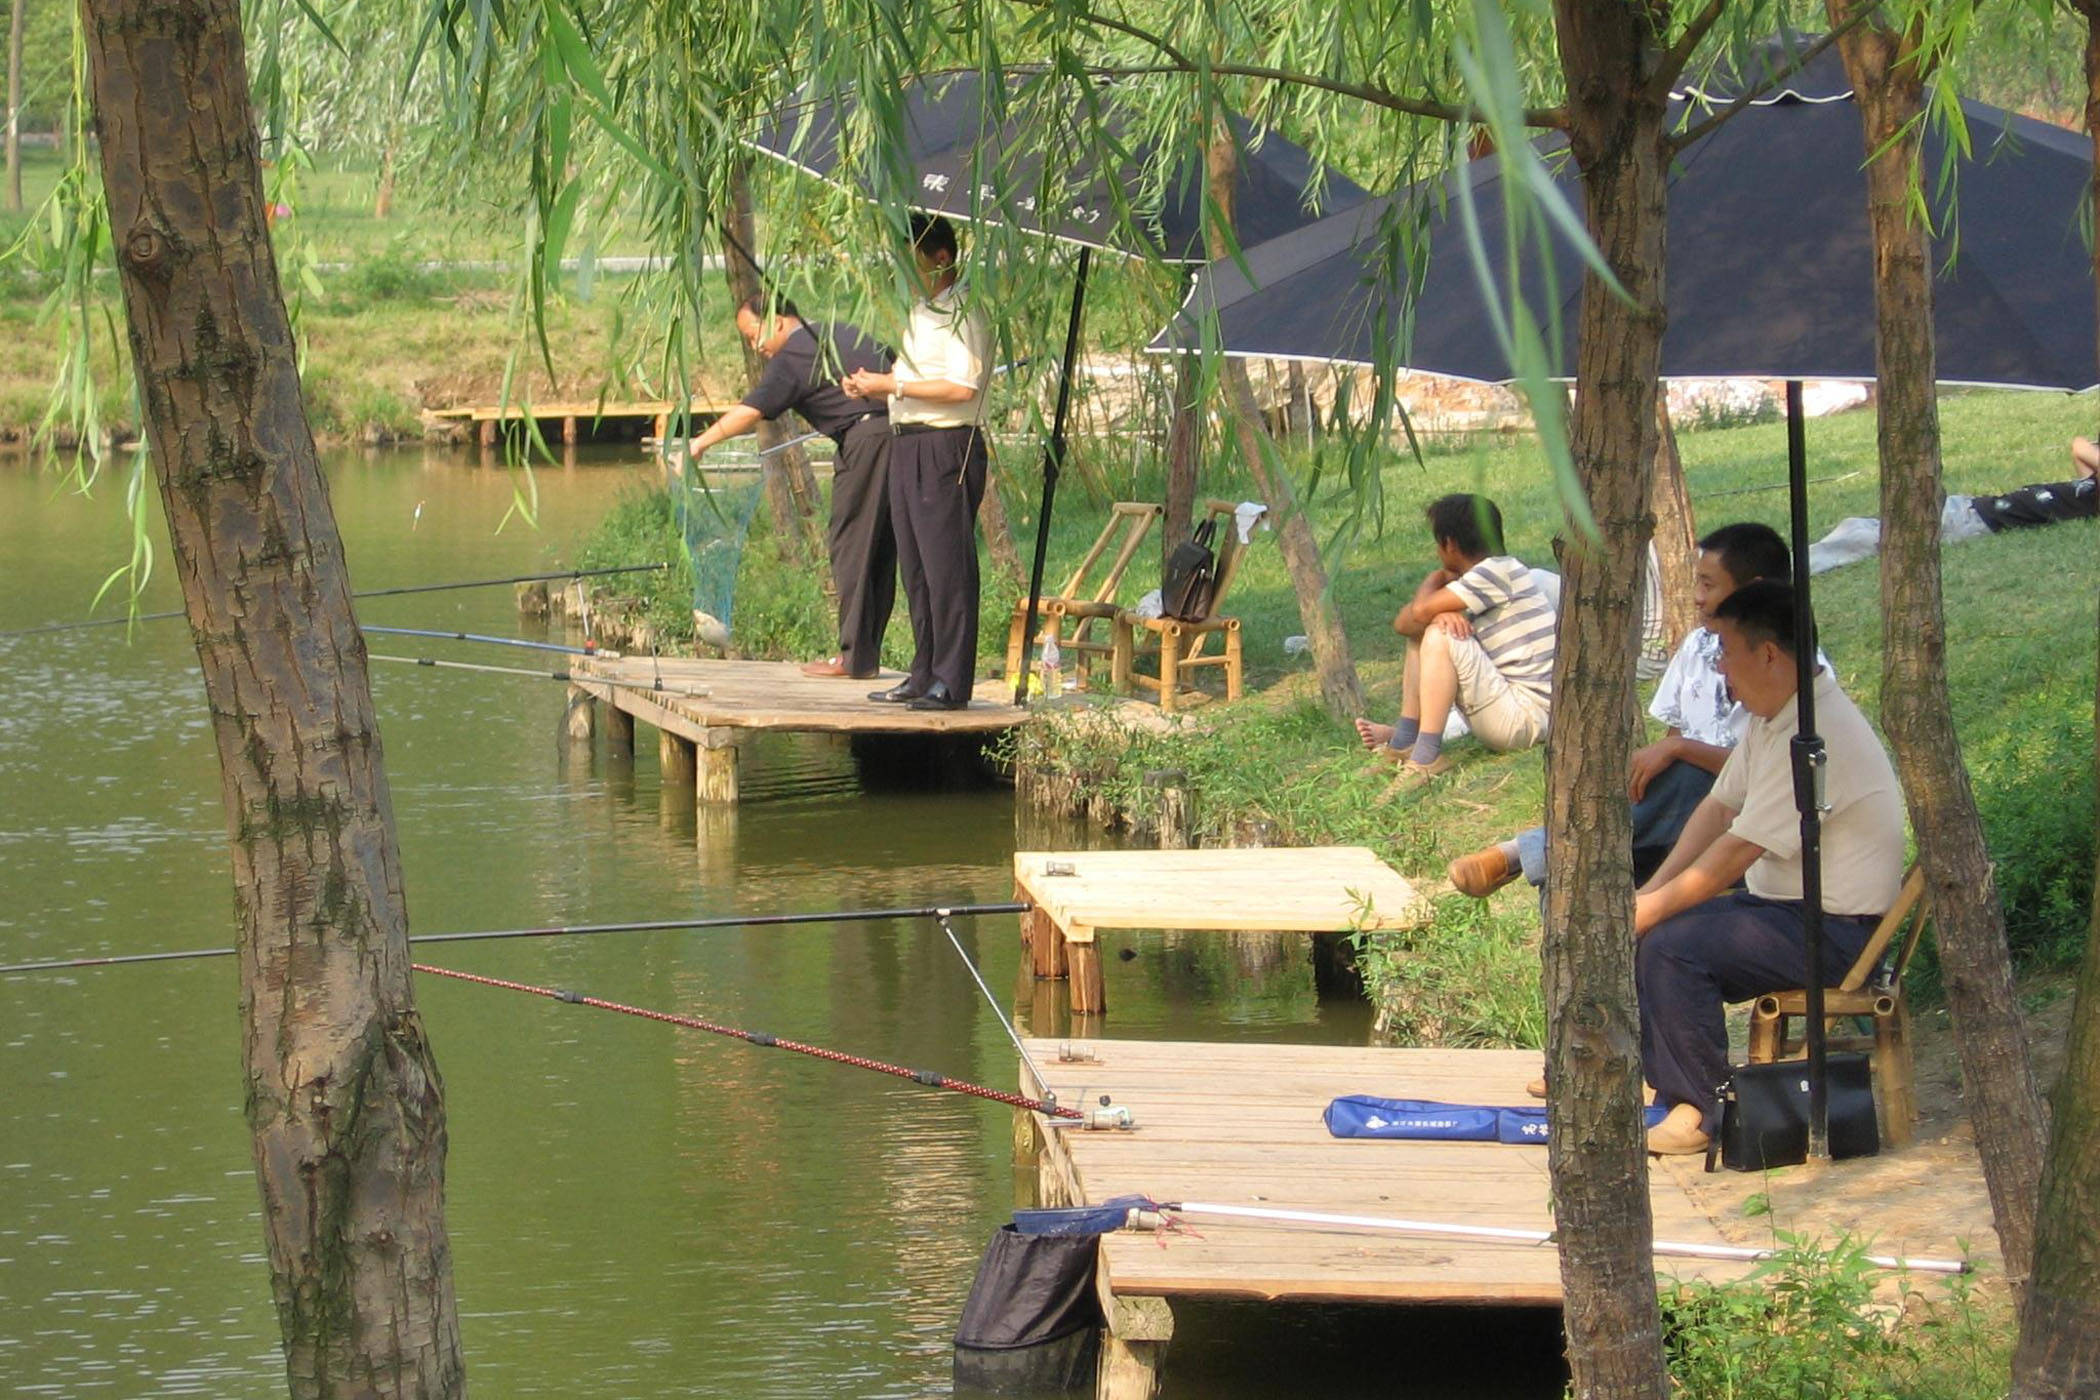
(1667, 779)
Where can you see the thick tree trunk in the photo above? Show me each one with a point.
(999, 532)
(790, 486)
(1184, 450)
(343, 1095)
(1597, 1149)
(1998, 1083)
(16, 23)
(1340, 690)
(2058, 1357)
(1676, 534)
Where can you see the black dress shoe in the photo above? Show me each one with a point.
(937, 697)
(896, 694)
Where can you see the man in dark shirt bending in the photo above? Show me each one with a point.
(803, 366)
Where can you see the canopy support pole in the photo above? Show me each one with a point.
(1808, 760)
(1053, 462)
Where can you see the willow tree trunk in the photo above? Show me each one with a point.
(790, 486)
(1340, 690)
(383, 196)
(2058, 1356)
(343, 1095)
(1597, 1149)
(1676, 535)
(1998, 1082)
(15, 25)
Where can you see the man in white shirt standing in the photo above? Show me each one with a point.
(1703, 945)
(937, 471)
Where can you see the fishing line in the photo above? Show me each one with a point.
(653, 687)
(835, 916)
(932, 1079)
(941, 915)
(366, 593)
(588, 649)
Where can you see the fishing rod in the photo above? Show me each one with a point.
(653, 687)
(587, 649)
(932, 1079)
(836, 916)
(1049, 1094)
(1672, 1248)
(364, 593)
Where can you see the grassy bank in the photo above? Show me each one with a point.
(2020, 657)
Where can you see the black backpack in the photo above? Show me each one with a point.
(1192, 576)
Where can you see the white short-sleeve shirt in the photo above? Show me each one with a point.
(943, 340)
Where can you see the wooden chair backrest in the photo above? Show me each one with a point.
(1135, 519)
(1908, 899)
(1225, 543)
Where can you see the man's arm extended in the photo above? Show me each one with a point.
(736, 422)
(1723, 862)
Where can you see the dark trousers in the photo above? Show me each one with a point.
(862, 545)
(936, 485)
(1729, 949)
(1666, 804)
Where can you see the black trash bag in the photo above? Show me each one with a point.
(1032, 1323)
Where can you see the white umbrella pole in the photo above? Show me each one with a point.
(1496, 1232)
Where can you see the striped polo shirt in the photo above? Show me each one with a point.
(1511, 620)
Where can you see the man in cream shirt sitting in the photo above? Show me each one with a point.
(937, 472)
(1702, 944)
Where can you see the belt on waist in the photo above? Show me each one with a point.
(910, 429)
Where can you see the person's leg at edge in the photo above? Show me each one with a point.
(1435, 689)
(905, 472)
(863, 547)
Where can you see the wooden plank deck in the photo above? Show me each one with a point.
(1241, 1125)
(1311, 889)
(703, 706)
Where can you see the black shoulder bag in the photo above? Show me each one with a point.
(1764, 1114)
(1191, 579)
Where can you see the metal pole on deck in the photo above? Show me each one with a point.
(1053, 461)
(1808, 760)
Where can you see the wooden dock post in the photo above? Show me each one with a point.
(1044, 940)
(568, 430)
(488, 432)
(1134, 1337)
(619, 731)
(1083, 965)
(716, 781)
(674, 759)
(581, 721)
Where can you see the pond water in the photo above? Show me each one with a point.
(635, 1210)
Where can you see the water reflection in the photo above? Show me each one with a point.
(636, 1209)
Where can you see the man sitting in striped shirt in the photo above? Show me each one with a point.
(1481, 638)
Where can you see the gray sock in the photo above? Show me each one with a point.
(1427, 747)
(1515, 857)
(1405, 732)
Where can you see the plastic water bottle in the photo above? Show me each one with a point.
(1053, 658)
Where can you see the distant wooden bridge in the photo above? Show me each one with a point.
(571, 422)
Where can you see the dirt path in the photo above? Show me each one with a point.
(1927, 1199)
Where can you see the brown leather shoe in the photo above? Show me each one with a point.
(1481, 873)
(827, 669)
(1537, 1087)
(1682, 1133)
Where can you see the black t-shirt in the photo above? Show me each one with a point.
(803, 377)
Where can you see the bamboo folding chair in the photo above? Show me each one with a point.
(1134, 520)
(1180, 643)
(1873, 989)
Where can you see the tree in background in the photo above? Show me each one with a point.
(1890, 59)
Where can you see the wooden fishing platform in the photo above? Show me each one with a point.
(571, 417)
(1241, 1125)
(1306, 889)
(701, 709)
